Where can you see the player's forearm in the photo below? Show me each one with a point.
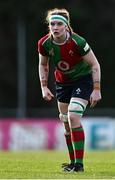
(95, 66)
(96, 76)
(43, 75)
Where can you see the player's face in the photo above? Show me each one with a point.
(57, 29)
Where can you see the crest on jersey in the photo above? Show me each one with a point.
(51, 52)
(71, 53)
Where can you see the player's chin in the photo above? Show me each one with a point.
(57, 35)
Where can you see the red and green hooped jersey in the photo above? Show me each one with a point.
(67, 57)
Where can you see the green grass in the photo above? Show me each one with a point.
(47, 165)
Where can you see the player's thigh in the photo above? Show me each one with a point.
(77, 107)
(76, 110)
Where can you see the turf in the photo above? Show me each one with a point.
(47, 165)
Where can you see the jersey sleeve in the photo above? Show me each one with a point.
(83, 46)
(41, 49)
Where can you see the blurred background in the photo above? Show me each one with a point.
(22, 109)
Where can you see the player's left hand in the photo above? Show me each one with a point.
(95, 97)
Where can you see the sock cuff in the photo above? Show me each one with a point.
(67, 135)
(80, 128)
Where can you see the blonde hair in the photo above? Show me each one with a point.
(62, 12)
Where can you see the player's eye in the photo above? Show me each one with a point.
(60, 23)
(52, 24)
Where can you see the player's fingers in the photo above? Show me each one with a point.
(47, 98)
(51, 95)
(93, 103)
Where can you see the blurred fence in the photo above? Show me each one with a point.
(36, 134)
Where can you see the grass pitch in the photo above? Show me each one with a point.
(47, 165)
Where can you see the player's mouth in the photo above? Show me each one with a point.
(56, 33)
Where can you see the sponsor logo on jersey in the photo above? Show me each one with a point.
(63, 65)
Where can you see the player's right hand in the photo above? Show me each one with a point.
(46, 93)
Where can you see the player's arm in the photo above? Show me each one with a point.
(43, 75)
(92, 61)
(95, 66)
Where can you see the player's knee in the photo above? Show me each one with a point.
(67, 133)
(63, 117)
(76, 108)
